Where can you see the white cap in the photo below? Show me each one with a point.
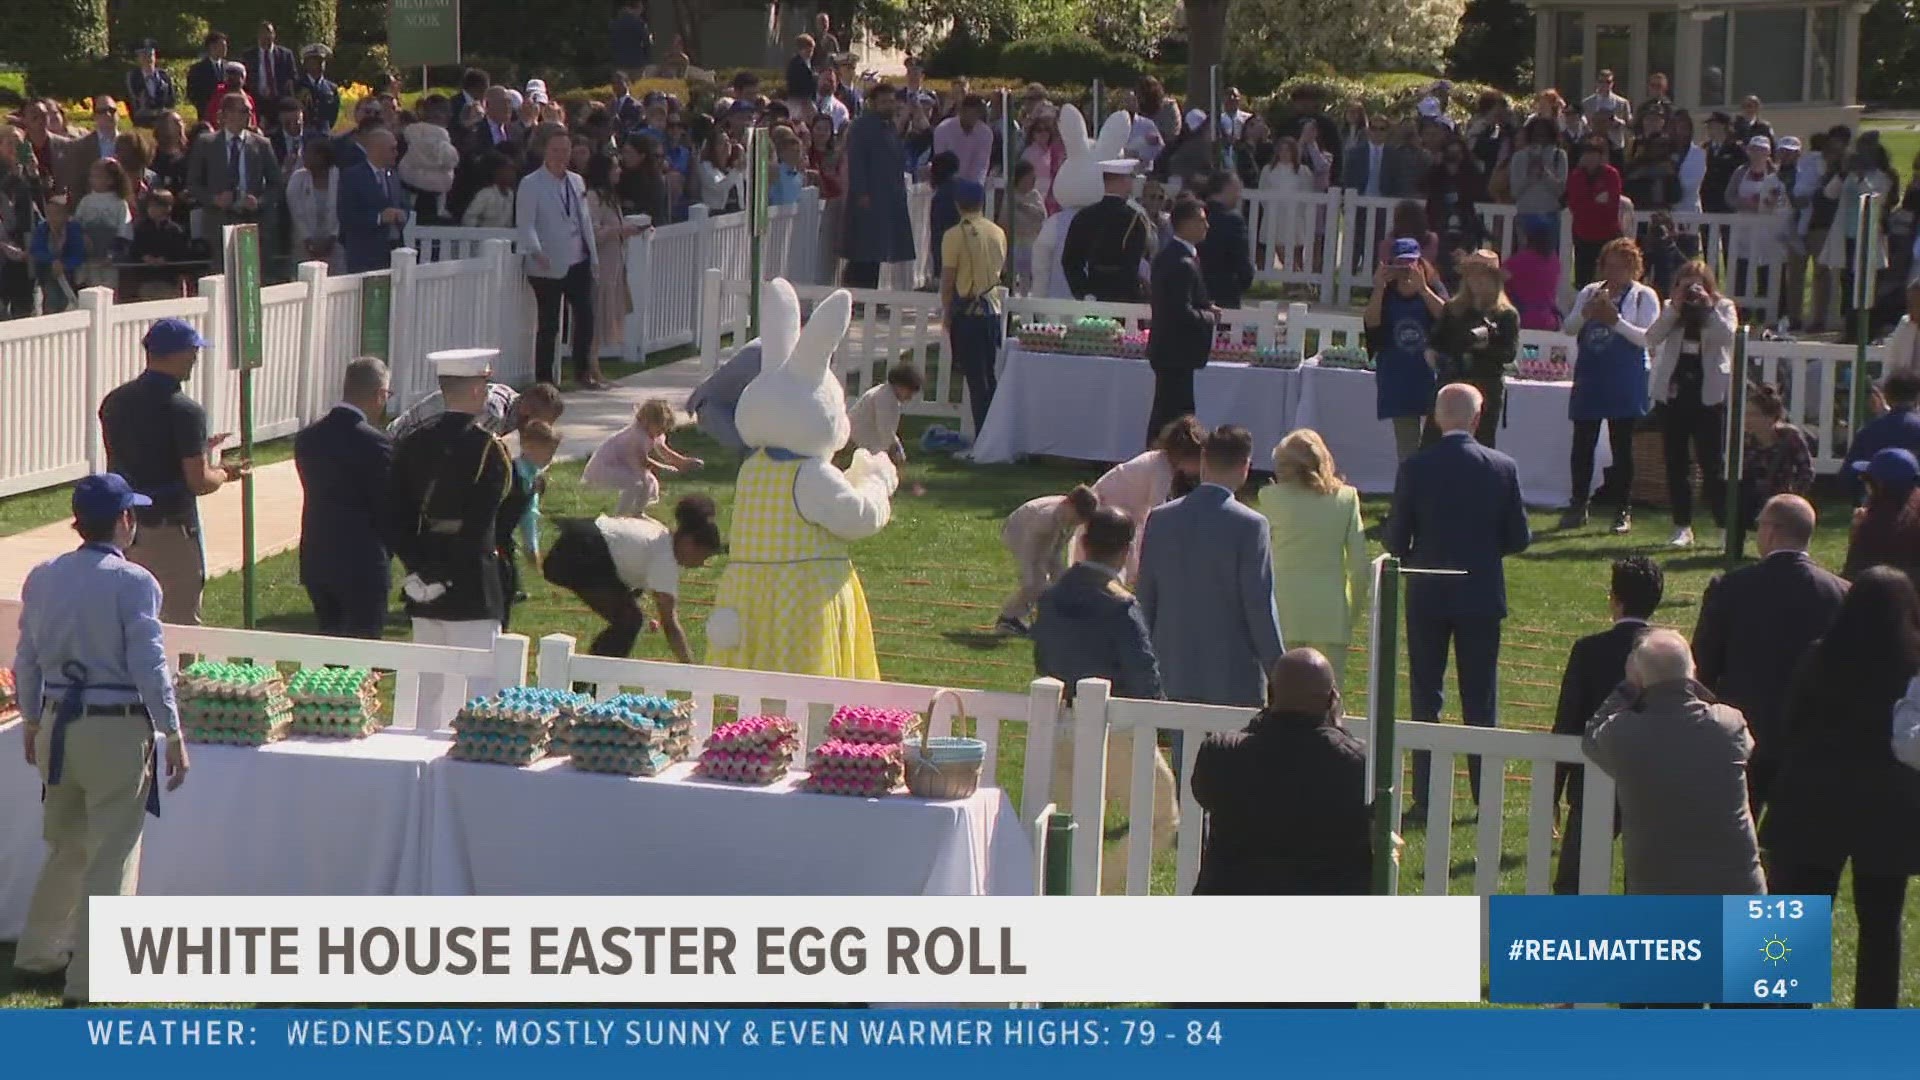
(1120, 166)
(1760, 142)
(1789, 144)
(463, 363)
(1196, 117)
(1429, 107)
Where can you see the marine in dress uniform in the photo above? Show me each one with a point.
(1107, 243)
(447, 501)
(92, 676)
(318, 95)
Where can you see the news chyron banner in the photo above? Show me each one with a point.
(1729, 950)
(752, 950)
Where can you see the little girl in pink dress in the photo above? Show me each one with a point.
(629, 461)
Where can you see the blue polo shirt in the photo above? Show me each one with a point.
(1898, 428)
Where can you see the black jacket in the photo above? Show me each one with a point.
(1755, 624)
(1287, 812)
(285, 69)
(143, 103)
(1101, 254)
(1226, 258)
(445, 500)
(1089, 626)
(344, 463)
(1840, 793)
(1595, 666)
(203, 78)
(1182, 335)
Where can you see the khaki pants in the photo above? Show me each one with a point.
(1166, 808)
(93, 820)
(174, 555)
(1036, 576)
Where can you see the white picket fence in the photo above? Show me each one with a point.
(55, 369)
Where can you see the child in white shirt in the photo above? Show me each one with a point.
(629, 461)
(875, 415)
(1036, 536)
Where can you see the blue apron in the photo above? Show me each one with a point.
(1609, 374)
(72, 707)
(1403, 384)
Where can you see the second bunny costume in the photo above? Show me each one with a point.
(789, 599)
(1078, 184)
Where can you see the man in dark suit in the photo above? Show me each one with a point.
(150, 91)
(1365, 166)
(1595, 668)
(497, 129)
(1226, 255)
(1089, 626)
(344, 459)
(372, 206)
(1183, 317)
(204, 77)
(1286, 798)
(271, 67)
(234, 175)
(1456, 506)
(1755, 624)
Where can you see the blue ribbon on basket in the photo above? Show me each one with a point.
(72, 706)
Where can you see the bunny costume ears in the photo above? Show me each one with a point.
(796, 403)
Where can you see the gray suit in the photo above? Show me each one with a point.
(208, 177)
(1206, 589)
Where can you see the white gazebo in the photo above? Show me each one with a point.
(1801, 60)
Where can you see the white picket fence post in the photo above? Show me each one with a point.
(639, 258)
(408, 381)
(313, 325)
(98, 303)
(712, 282)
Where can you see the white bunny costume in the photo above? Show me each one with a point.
(789, 599)
(1077, 184)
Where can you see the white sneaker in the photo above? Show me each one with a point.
(1682, 538)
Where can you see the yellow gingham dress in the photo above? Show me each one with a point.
(798, 598)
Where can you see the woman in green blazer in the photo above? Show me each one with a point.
(1320, 572)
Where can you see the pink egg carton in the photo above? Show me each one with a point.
(755, 733)
(867, 724)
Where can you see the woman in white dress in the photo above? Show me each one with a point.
(312, 197)
(1287, 225)
(1756, 191)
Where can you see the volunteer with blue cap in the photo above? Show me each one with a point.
(93, 681)
(972, 255)
(157, 439)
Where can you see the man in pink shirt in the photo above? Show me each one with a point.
(969, 138)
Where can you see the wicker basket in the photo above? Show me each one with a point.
(947, 767)
(1650, 467)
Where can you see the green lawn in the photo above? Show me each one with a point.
(937, 575)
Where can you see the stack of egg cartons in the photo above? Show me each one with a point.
(863, 754)
(632, 735)
(233, 703)
(514, 726)
(335, 702)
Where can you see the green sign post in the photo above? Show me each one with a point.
(249, 352)
(759, 179)
(376, 315)
(424, 32)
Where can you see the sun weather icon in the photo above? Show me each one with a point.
(1774, 949)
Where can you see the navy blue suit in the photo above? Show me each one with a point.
(364, 193)
(1456, 506)
(1090, 627)
(344, 561)
(1226, 256)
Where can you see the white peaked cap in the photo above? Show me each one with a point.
(1120, 166)
(463, 363)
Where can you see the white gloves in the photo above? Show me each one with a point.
(421, 592)
(867, 465)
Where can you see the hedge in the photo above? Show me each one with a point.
(1393, 93)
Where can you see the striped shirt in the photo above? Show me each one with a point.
(496, 418)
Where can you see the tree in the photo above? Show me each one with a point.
(52, 32)
(1207, 40)
(1495, 45)
(1285, 37)
(1890, 53)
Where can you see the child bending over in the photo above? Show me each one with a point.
(631, 460)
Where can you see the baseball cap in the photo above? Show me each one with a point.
(105, 495)
(1891, 467)
(1196, 117)
(1406, 251)
(1760, 142)
(1789, 145)
(168, 336)
(1429, 107)
(969, 193)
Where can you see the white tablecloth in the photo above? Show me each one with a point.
(1095, 408)
(1339, 404)
(552, 830)
(302, 817)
